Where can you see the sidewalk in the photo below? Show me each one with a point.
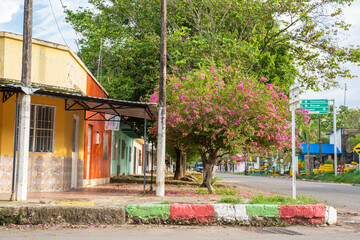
(121, 203)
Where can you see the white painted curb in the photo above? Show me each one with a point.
(231, 213)
(240, 213)
(330, 215)
(225, 212)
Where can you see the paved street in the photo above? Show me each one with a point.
(340, 196)
(155, 232)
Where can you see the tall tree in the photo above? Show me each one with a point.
(279, 39)
(218, 110)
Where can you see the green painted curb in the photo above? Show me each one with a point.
(148, 212)
(262, 210)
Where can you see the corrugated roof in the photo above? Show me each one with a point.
(314, 148)
(93, 104)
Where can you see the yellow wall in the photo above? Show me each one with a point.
(2, 58)
(52, 64)
(63, 127)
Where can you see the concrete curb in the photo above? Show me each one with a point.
(204, 214)
(240, 214)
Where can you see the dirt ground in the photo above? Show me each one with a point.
(127, 190)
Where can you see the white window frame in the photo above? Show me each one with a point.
(34, 128)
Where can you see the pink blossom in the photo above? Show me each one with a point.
(211, 69)
(254, 143)
(176, 85)
(215, 90)
(201, 75)
(246, 106)
(269, 86)
(217, 83)
(263, 79)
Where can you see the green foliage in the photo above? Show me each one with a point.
(282, 200)
(166, 202)
(329, 161)
(346, 177)
(226, 192)
(258, 36)
(231, 200)
(355, 140)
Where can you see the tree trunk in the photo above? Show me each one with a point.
(209, 176)
(183, 157)
(180, 170)
(178, 164)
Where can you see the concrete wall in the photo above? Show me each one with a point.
(99, 167)
(53, 65)
(47, 171)
(122, 156)
(138, 144)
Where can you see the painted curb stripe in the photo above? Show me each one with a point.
(262, 210)
(314, 214)
(330, 215)
(192, 212)
(148, 212)
(231, 213)
(207, 213)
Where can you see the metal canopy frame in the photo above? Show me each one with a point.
(100, 106)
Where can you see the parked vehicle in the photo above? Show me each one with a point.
(199, 167)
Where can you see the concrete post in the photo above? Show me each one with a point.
(23, 149)
(160, 171)
(25, 108)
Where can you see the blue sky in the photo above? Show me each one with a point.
(44, 27)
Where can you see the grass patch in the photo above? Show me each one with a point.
(203, 191)
(166, 202)
(346, 177)
(282, 200)
(227, 192)
(236, 200)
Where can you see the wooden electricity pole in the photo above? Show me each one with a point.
(25, 106)
(160, 171)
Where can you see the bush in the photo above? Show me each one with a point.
(282, 200)
(329, 161)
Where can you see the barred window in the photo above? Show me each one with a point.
(42, 127)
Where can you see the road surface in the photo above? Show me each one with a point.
(341, 196)
(154, 232)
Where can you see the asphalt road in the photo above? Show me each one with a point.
(154, 232)
(341, 196)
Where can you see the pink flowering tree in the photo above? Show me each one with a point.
(218, 110)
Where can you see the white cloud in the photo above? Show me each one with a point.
(8, 8)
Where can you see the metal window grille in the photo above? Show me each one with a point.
(140, 159)
(42, 128)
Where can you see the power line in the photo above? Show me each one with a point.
(52, 10)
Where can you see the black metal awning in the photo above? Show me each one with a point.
(100, 106)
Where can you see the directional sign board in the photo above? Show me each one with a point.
(316, 106)
(357, 148)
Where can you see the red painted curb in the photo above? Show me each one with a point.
(314, 214)
(192, 212)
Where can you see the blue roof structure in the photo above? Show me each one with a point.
(314, 148)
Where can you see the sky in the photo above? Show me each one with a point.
(45, 28)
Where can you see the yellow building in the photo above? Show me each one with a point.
(56, 136)
(69, 146)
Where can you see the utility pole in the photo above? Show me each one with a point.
(160, 171)
(25, 106)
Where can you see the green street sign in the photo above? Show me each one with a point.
(316, 106)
